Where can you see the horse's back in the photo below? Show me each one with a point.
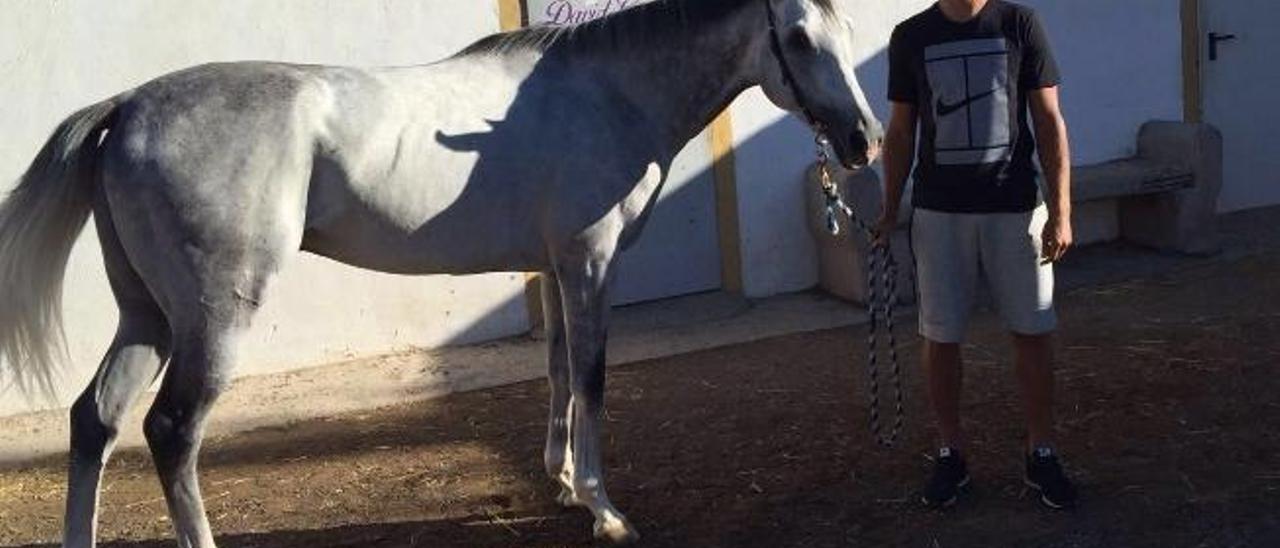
(387, 168)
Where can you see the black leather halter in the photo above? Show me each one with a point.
(788, 76)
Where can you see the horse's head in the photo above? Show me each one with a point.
(807, 68)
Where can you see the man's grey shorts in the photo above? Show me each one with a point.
(955, 251)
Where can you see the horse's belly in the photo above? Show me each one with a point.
(469, 235)
(407, 254)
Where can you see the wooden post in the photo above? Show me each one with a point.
(511, 14)
(727, 225)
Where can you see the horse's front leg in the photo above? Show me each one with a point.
(557, 449)
(583, 286)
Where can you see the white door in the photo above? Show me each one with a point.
(1242, 96)
(678, 253)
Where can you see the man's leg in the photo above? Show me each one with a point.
(947, 268)
(1033, 362)
(1023, 288)
(944, 374)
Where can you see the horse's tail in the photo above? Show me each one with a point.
(39, 222)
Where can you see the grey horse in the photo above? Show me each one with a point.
(203, 182)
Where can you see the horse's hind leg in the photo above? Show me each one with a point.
(583, 285)
(557, 448)
(210, 279)
(209, 309)
(199, 372)
(134, 360)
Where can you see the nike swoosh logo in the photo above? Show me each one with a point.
(944, 109)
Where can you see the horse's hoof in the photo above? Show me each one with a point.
(616, 530)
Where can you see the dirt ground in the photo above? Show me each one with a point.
(1169, 419)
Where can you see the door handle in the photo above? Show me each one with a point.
(1214, 40)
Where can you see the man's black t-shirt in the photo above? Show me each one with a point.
(968, 82)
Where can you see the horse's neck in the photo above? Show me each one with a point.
(681, 84)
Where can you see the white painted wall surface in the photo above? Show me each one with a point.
(1120, 60)
(58, 56)
(1121, 65)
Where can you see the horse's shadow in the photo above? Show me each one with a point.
(677, 497)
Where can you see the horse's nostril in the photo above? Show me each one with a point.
(859, 141)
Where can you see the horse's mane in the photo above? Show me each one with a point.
(640, 23)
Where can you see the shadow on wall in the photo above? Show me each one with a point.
(778, 251)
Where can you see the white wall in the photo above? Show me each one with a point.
(58, 56)
(1121, 65)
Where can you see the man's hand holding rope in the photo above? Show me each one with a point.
(883, 229)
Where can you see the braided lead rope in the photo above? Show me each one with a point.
(881, 265)
(880, 299)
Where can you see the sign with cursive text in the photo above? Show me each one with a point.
(573, 12)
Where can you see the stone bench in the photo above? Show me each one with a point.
(1165, 197)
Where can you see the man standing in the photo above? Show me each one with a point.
(968, 73)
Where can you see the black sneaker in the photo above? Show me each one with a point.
(950, 478)
(1044, 474)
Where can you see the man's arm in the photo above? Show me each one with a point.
(898, 153)
(1055, 158)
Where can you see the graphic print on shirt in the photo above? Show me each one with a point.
(970, 84)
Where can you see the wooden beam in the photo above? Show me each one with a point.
(727, 223)
(510, 14)
(533, 303)
(1192, 88)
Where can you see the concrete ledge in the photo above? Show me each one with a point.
(639, 332)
